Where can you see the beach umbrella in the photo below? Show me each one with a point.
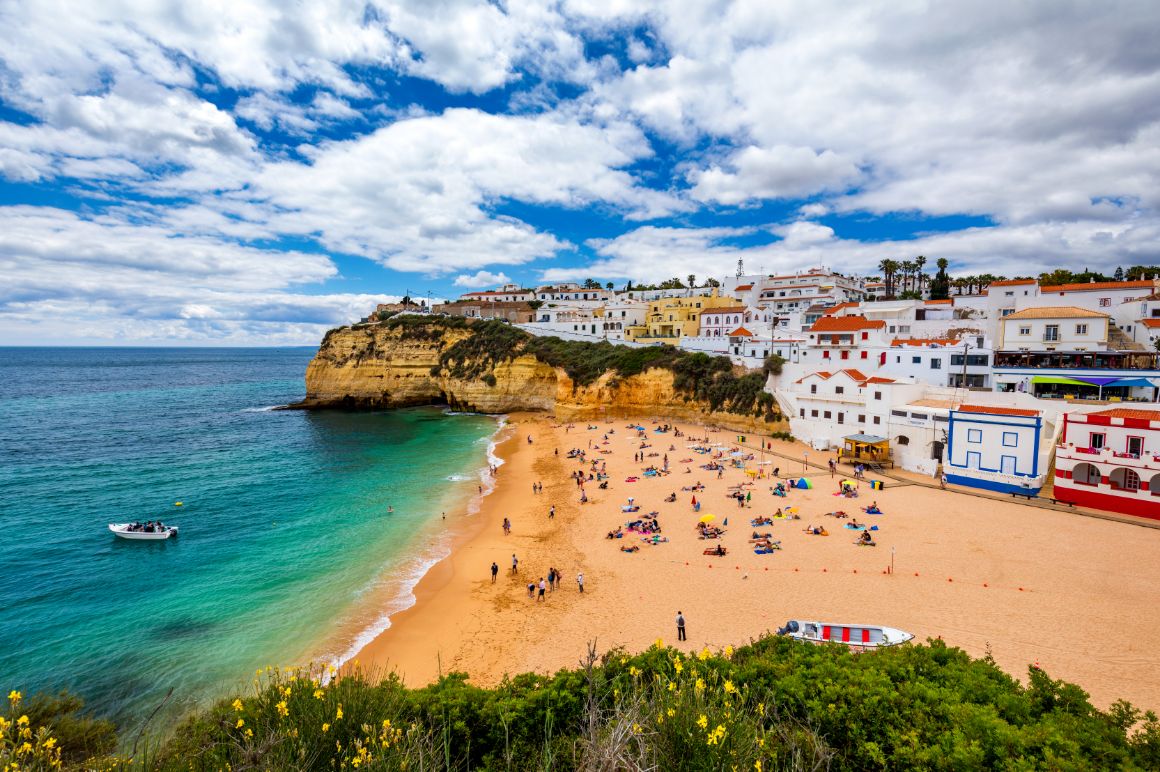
(791, 510)
(694, 501)
(804, 483)
(707, 518)
(851, 483)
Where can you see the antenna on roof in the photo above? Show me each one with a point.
(740, 268)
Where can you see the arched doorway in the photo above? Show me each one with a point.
(1124, 479)
(1085, 474)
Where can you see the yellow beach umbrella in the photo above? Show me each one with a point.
(708, 518)
(850, 482)
(791, 510)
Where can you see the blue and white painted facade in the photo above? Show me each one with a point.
(996, 449)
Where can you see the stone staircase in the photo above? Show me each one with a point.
(1118, 340)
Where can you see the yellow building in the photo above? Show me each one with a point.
(670, 319)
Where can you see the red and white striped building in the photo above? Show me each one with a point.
(1110, 460)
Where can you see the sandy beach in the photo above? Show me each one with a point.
(1030, 585)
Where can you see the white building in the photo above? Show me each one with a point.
(1054, 328)
(571, 293)
(995, 448)
(718, 322)
(1110, 460)
(511, 293)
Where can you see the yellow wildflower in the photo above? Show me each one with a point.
(729, 687)
(678, 666)
(249, 732)
(338, 715)
(704, 655)
(699, 685)
(26, 748)
(14, 696)
(703, 721)
(238, 706)
(672, 686)
(729, 654)
(757, 765)
(659, 643)
(623, 660)
(636, 728)
(671, 712)
(282, 709)
(325, 728)
(761, 708)
(240, 724)
(632, 671)
(318, 694)
(50, 743)
(714, 737)
(22, 721)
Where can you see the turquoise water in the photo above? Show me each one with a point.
(287, 552)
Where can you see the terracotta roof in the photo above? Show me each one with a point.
(923, 342)
(1011, 282)
(940, 302)
(1152, 323)
(1100, 285)
(730, 310)
(878, 379)
(1127, 412)
(823, 374)
(996, 410)
(1055, 312)
(839, 307)
(743, 287)
(741, 332)
(846, 324)
(857, 375)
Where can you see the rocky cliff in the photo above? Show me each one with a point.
(386, 366)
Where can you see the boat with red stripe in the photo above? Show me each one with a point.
(855, 636)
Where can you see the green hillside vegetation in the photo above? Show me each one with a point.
(698, 376)
(774, 704)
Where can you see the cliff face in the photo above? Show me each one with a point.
(375, 366)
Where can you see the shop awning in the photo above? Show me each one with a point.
(1143, 382)
(1055, 379)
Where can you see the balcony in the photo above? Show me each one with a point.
(1149, 460)
(1078, 360)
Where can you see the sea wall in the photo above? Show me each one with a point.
(377, 366)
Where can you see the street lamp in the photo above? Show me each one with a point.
(805, 462)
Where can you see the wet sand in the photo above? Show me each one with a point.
(1030, 585)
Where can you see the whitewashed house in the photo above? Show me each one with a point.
(995, 448)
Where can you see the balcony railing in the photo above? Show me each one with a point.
(1078, 360)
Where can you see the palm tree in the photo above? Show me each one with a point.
(919, 262)
(888, 267)
(907, 273)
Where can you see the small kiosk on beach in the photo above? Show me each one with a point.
(866, 449)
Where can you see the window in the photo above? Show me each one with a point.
(1096, 440)
(1124, 479)
(935, 364)
(916, 360)
(862, 419)
(1105, 302)
(845, 355)
(865, 336)
(1081, 329)
(1010, 294)
(1051, 332)
(813, 388)
(877, 395)
(897, 360)
(974, 435)
(865, 355)
(1007, 312)
(841, 418)
(825, 355)
(919, 416)
(899, 413)
(803, 413)
(877, 420)
(1024, 330)
(1135, 446)
(1010, 440)
(839, 389)
(826, 414)
(813, 414)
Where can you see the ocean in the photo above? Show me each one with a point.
(287, 552)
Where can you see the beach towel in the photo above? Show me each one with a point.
(852, 527)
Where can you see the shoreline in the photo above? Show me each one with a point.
(1024, 583)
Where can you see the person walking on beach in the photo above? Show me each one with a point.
(552, 512)
(515, 563)
(540, 597)
(580, 582)
(494, 571)
(680, 626)
(507, 527)
(833, 467)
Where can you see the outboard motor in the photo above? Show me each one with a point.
(790, 627)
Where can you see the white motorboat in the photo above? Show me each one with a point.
(854, 636)
(143, 531)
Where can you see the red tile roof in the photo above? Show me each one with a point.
(742, 287)
(857, 375)
(846, 324)
(996, 410)
(879, 379)
(1100, 285)
(1011, 282)
(839, 307)
(823, 374)
(1127, 412)
(741, 332)
(1152, 323)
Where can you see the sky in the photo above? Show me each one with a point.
(254, 172)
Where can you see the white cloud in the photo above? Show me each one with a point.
(482, 279)
(776, 172)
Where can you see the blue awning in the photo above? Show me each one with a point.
(1142, 382)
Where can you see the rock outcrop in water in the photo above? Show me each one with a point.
(485, 368)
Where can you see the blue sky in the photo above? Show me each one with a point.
(246, 174)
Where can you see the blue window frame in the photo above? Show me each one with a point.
(974, 435)
(1010, 440)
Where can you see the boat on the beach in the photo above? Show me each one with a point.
(143, 531)
(854, 636)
